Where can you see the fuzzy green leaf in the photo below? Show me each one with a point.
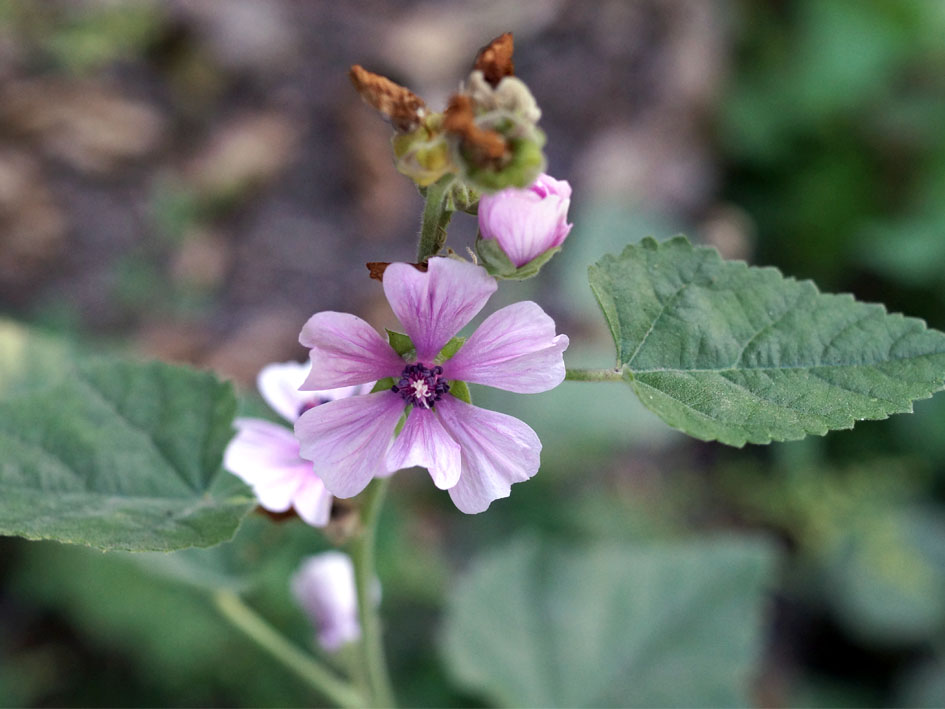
(661, 625)
(733, 353)
(118, 455)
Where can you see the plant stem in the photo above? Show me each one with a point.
(362, 553)
(437, 213)
(321, 678)
(593, 375)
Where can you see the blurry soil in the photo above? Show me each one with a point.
(201, 177)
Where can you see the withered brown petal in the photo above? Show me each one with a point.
(495, 59)
(397, 103)
(459, 118)
(376, 268)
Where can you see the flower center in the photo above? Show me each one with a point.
(420, 385)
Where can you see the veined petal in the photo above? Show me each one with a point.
(498, 450)
(313, 501)
(515, 349)
(423, 441)
(345, 350)
(278, 383)
(266, 456)
(347, 439)
(435, 305)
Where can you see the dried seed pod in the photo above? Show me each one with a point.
(495, 59)
(399, 104)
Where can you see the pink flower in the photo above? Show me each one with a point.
(526, 223)
(474, 453)
(266, 455)
(324, 588)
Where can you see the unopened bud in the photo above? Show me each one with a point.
(521, 229)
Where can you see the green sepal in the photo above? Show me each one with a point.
(461, 391)
(497, 263)
(424, 154)
(526, 164)
(401, 343)
(384, 384)
(451, 348)
(402, 421)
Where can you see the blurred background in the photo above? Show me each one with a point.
(190, 180)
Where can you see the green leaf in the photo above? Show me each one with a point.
(733, 353)
(117, 455)
(663, 625)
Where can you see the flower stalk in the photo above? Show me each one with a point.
(437, 213)
(372, 640)
(593, 375)
(307, 668)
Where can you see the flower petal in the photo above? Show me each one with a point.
(423, 441)
(345, 350)
(313, 502)
(435, 305)
(266, 456)
(347, 440)
(514, 349)
(498, 450)
(278, 383)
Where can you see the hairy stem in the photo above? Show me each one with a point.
(593, 375)
(362, 553)
(437, 213)
(318, 676)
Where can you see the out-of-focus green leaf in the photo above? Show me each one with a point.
(733, 353)
(667, 625)
(113, 454)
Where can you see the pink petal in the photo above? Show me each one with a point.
(313, 502)
(515, 349)
(424, 442)
(498, 450)
(345, 350)
(347, 440)
(266, 456)
(278, 383)
(435, 305)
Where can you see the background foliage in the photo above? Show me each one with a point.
(191, 184)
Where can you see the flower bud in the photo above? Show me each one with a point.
(324, 588)
(521, 229)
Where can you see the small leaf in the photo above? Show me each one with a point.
(661, 625)
(733, 353)
(120, 455)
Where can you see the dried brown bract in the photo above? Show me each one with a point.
(376, 268)
(399, 104)
(495, 59)
(487, 145)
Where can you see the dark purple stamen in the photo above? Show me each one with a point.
(420, 385)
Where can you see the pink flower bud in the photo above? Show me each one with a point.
(324, 588)
(526, 223)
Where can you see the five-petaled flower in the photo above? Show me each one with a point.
(474, 453)
(266, 455)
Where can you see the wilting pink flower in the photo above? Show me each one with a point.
(324, 588)
(266, 455)
(474, 453)
(527, 222)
